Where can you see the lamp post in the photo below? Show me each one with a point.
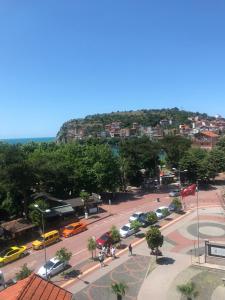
(43, 232)
(197, 223)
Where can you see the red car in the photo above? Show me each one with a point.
(104, 240)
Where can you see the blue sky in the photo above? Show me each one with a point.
(66, 59)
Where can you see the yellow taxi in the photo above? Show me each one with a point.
(12, 253)
(46, 239)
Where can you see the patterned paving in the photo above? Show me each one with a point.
(132, 273)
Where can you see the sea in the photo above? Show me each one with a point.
(28, 140)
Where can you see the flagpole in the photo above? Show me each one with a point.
(198, 224)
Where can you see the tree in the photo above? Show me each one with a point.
(152, 217)
(188, 290)
(119, 289)
(34, 214)
(154, 239)
(91, 245)
(23, 273)
(176, 204)
(63, 255)
(115, 234)
(135, 225)
(175, 148)
(165, 212)
(137, 154)
(85, 197)
(194, 161)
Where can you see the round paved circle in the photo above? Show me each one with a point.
(210, 230)
(207, 230)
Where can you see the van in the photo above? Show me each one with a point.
(46, 239)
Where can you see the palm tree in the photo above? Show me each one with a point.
(188, 290)
(119, 289)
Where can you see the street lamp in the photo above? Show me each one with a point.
(43, 232)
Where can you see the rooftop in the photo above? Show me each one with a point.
(35, 288)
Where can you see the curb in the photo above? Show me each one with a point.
(121, 252)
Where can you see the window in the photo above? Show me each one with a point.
(57, 264)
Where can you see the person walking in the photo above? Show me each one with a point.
(130, 249)
(108, 251)
(113, 252)
(101, 259)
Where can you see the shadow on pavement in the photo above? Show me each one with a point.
(165, 261)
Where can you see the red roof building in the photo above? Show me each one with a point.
(35, 288)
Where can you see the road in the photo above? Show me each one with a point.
(120, 215)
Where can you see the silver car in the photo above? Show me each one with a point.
(51, 268)
(175, 193)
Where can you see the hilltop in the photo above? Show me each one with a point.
(128, 123)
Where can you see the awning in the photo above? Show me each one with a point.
(60, 211)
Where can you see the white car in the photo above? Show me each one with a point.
(159, 211)
(52, 267)
(136, 216)
(126, 230)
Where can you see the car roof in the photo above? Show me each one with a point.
(54, 260)
(74, 224)
(137, 213)
(50, 233)
(162, 207)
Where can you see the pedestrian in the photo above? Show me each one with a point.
(113, 252)
(107, 250)
(130, 249)
(101, 259)
(104, 249)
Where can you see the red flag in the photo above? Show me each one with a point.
(189, 190)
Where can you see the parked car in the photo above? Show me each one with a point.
(126, 230)
(159, 211)
(174, 193)
(144, 220)
(73, 229)
(12, 253)
(51, 268)
(46, 239)
(104, 240)
(173, 207)
(136, 216)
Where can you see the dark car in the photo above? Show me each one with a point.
(173, 208)
(144, 220)
(104, 240)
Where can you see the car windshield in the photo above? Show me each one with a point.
(70, 227)
(41, 239)
(158, 210)
(4, 252)
(135, 215)
(104, 237)
(49, 264)
(125, 228)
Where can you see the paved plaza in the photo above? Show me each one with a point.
(146, 279)
(131, 272)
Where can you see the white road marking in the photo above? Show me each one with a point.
(79, 252)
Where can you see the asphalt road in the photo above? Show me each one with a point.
(120, 215)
